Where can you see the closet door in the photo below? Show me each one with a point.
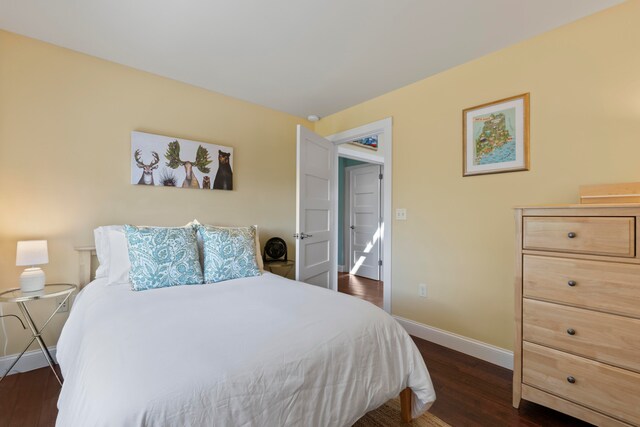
(364, 220)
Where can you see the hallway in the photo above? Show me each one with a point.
(361, 287)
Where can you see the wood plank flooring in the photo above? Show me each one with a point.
(29, 399)
(470, 392)
(361, 287)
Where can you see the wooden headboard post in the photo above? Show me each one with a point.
(85, 255)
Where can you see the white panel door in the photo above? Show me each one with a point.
(364, 221)
(314, 184)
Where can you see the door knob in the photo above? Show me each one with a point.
(571, 235)
(353, 227)
(302, 236)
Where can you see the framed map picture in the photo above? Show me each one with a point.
(495, 137)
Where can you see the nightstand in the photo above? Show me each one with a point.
(21, 298)
(281, 268)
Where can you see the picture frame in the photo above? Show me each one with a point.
(167, 161)
(368, 142)
(495, 137)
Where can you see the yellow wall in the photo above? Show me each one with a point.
(584, 81)
(65, 123)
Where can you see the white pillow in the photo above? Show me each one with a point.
(101, 253)
(113, 254)
(119, 264)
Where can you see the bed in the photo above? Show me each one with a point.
(255, 351)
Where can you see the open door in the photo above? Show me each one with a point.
(314, 187)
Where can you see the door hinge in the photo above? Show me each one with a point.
(380, 176)
(380, 262)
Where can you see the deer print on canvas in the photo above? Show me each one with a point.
(147, 170)
(201, 163)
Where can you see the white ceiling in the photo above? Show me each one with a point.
(299, 56)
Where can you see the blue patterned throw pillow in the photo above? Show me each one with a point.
(229, 252)
(162, 257)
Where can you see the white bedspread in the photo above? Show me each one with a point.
(260, 351)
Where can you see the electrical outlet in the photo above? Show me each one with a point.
(401, 214)
(65, 306)
(422, 290)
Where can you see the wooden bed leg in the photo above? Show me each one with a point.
(405, 405)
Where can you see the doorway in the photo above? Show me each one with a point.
(317, 189)
(381, 155)
(359, 229)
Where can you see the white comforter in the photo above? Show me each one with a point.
(260, 351)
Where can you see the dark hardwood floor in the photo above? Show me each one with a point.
(361, 287)
(29, 399)
(470, 392)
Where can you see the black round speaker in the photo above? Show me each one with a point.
(275, 249)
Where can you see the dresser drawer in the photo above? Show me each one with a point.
(604, 337)
(613, 236)
(605, 388)
(605, 286)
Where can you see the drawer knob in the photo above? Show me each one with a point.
(571, 235)
(571, 331)
(571, 283)
(571, 380)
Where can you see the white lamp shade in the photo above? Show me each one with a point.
(32, 252)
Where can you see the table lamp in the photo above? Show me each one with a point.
(31, 253)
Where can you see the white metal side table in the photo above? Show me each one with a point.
(21, 298)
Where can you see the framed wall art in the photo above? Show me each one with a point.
(370, 142)
(495, 137)
(175, 162)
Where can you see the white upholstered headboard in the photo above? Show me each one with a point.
(87, 268)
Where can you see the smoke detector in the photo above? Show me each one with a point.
(313, 118)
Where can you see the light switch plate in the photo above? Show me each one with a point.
(401, 214)
(422, 290)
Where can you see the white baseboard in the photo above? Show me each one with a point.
(478, 349)
(342, 269)
(31, 360)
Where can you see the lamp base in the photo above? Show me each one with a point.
(32, 279)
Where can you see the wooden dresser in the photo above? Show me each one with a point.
(577, 290)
